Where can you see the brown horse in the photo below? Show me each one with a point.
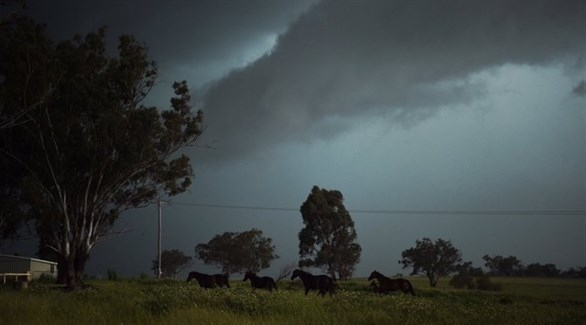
(264, 282)
(322, 283)
(209, 281)
(386, 285)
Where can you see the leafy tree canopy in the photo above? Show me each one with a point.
(503, 266)
(434, 259)
(172, 261)
(238, 252)
(328, 240)
(84, 145)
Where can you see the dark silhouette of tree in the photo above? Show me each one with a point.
(470, 277)
(465, 276)
(328, 240)
(25, 52)
(285, 271)
(541, 270)
(172, 262)
(434, 259)
(574, 273)
(89, 149)
(503, 266)
(238, 252)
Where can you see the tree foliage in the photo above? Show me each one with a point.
(328, 240)
(541, 270)
(470, 277)
(503, 266)
(87, 146)
(238, 252)
(172, 261)
(434, 259)
(25, 51)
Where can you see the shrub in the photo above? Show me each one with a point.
(484, 283)
(462, 280)
(112, 275)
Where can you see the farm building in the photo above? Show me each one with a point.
(12, 266)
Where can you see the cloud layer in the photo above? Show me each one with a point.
(341, 61)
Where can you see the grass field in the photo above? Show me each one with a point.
(522, 301)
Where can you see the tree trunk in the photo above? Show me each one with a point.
(433, 280)
(79, 265)
(61, 271)
(73, 270)
(70, 272)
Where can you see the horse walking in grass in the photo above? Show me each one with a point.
(258, 282)
(208, 281)
(386, 285)
(321, 283)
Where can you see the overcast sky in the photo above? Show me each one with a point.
(400, 105)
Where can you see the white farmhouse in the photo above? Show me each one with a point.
(17, 267)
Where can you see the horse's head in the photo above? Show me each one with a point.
(296, 273)
(373, 275)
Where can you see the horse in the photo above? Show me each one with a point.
(322, 283)
(209, 281)
(386, 285)
(264, 282)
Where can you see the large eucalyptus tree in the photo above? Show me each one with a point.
(328, 240)
(90, 149)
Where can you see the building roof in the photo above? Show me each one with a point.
(27, 258)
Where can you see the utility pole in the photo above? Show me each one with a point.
(159, 270)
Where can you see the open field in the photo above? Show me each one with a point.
(522, 301)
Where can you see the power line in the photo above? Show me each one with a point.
(412, 212)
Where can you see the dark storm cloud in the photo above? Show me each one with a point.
(398, 60)
(580, 89)
(178, 33)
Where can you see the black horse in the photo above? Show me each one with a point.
(322, 283)
(386, 285)
(264, 282)
(209, 281)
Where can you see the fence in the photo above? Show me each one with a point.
(16, 276)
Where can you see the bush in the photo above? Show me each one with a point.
(46, 279)
(461, 281)
(112, 275)
(484, 283)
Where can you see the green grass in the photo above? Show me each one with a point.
(522, 301)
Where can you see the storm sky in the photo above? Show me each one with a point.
(443, 106)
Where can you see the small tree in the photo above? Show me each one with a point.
(503, 266)
(470, 277)
(238, 252)
(465, 276)
(172, 261)
(435, 259)
(541, 270)
(285, 271)
(328, 240)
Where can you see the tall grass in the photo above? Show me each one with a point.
(173, 302)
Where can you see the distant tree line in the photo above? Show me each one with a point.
(440, 258)
(511, 266)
